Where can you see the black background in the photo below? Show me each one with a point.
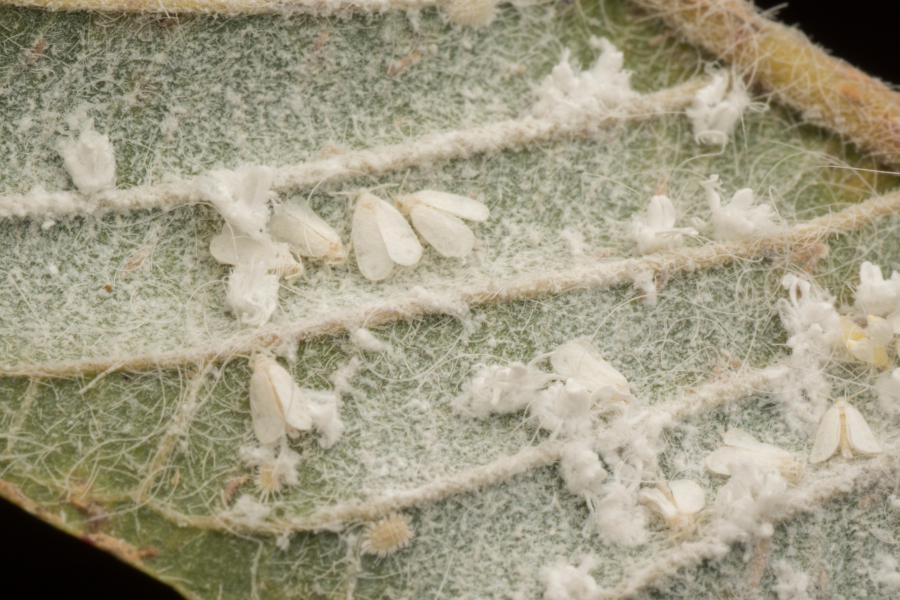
(37, 561)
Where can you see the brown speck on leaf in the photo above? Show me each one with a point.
(330, 149)
(398, 66)
(231, 486)
(517, 69)
(760, 561)
(660, 39)
(603, 253)
(822, 587)
(120, 548)
(107, 287)
(874, 496)
(34, 53)
(95, 513)
(175, 479)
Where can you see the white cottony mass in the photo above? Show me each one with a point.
(240, 196)
(716, 110)
(568, 94)
(655, 231)
(740, 218)
(90, 160)
(252, 293)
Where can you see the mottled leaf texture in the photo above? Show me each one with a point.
(125, 382)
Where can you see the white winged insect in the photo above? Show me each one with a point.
(843, 427)
(741, 447)
(382, 237)
(277, 404)
(437, 216)
(232, 247)
(578, 360)
(306, 233)
(676, 502)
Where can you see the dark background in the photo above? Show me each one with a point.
(39, 562)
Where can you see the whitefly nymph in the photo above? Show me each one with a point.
(387, 536)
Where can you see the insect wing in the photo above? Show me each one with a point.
(306, 232)
(231, 247)
(268, 420)
(579, 360)
(858, 433)
(296, 410)
(402, 245)
(458, 206)
(688, 495)
(445, 232)
(253, 187)
(657, 501)
(741, 439)
(718, 461)
(371, 253)
(660, 213)
(828, 436)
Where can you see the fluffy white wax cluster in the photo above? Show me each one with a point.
(819, 332)
(878, 297)
(790, 584)
(563, 581)
(676, 502)
(716, 109)
(655, 231)
(748, 502)
(90, 160)
(497, 389)
(740, 218)
(569, 94)
(616, 516)
(252, 293)
(581, 387)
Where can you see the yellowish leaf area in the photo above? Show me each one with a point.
(125, 378)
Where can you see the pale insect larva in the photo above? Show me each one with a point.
(306, 233)
(232, 247)
(676, 503)
(437, 216)
(387, 536)
(741, 447)
(382, 237)
(579, 360)
(277, 404)
(470, 12)
(845, 428)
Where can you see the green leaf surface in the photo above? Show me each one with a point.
(181, 96)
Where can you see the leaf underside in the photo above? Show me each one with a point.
(184, 95)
